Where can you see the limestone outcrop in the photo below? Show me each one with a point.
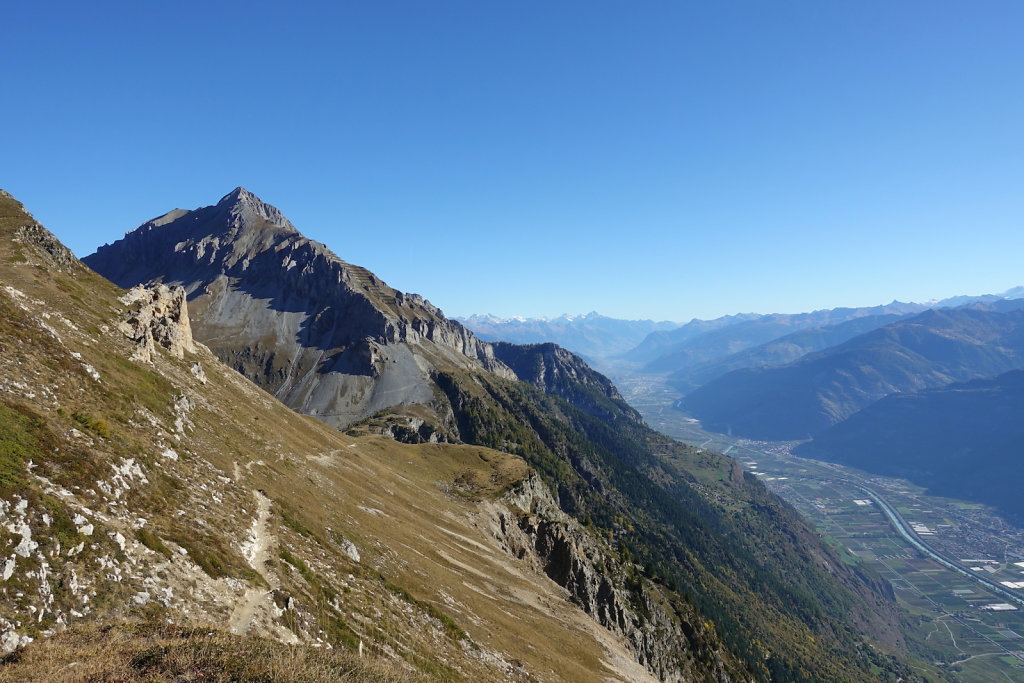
(157, 316)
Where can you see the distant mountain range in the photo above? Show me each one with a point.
(877, 387)
(805, 397)
(962, 440)
(703, 342)
(700, 350)
(740, 335)
(778, 351)
(592, 335)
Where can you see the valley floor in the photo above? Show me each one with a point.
(972, 631)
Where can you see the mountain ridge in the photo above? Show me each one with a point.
(802, 398)
(779, 351)
(704, 342)
(144, 490)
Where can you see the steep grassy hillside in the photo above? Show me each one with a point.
(149, 652)
(694, 579)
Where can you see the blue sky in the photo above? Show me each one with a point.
(652, 159)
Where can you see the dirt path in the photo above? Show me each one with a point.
(256, 549)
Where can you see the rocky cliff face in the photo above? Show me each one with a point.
(326, 337)
(663, 633)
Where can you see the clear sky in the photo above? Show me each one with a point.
(533, 157)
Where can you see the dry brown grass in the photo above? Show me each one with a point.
(129, 653)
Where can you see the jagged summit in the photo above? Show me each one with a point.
(246, 209)
(238, 211)
(238, 194)
(326, 337)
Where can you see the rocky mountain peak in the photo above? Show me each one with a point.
(248, 211)
(327, 337)
(240, 218)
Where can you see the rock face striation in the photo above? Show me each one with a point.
(328, 338)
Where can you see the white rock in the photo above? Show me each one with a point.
(197, 371)
(83, 525)
(157, 316)
(27, 545)
(350, 549)
(12, 640)
(7, 567)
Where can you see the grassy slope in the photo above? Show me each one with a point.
(431, 595)
(138, 653)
